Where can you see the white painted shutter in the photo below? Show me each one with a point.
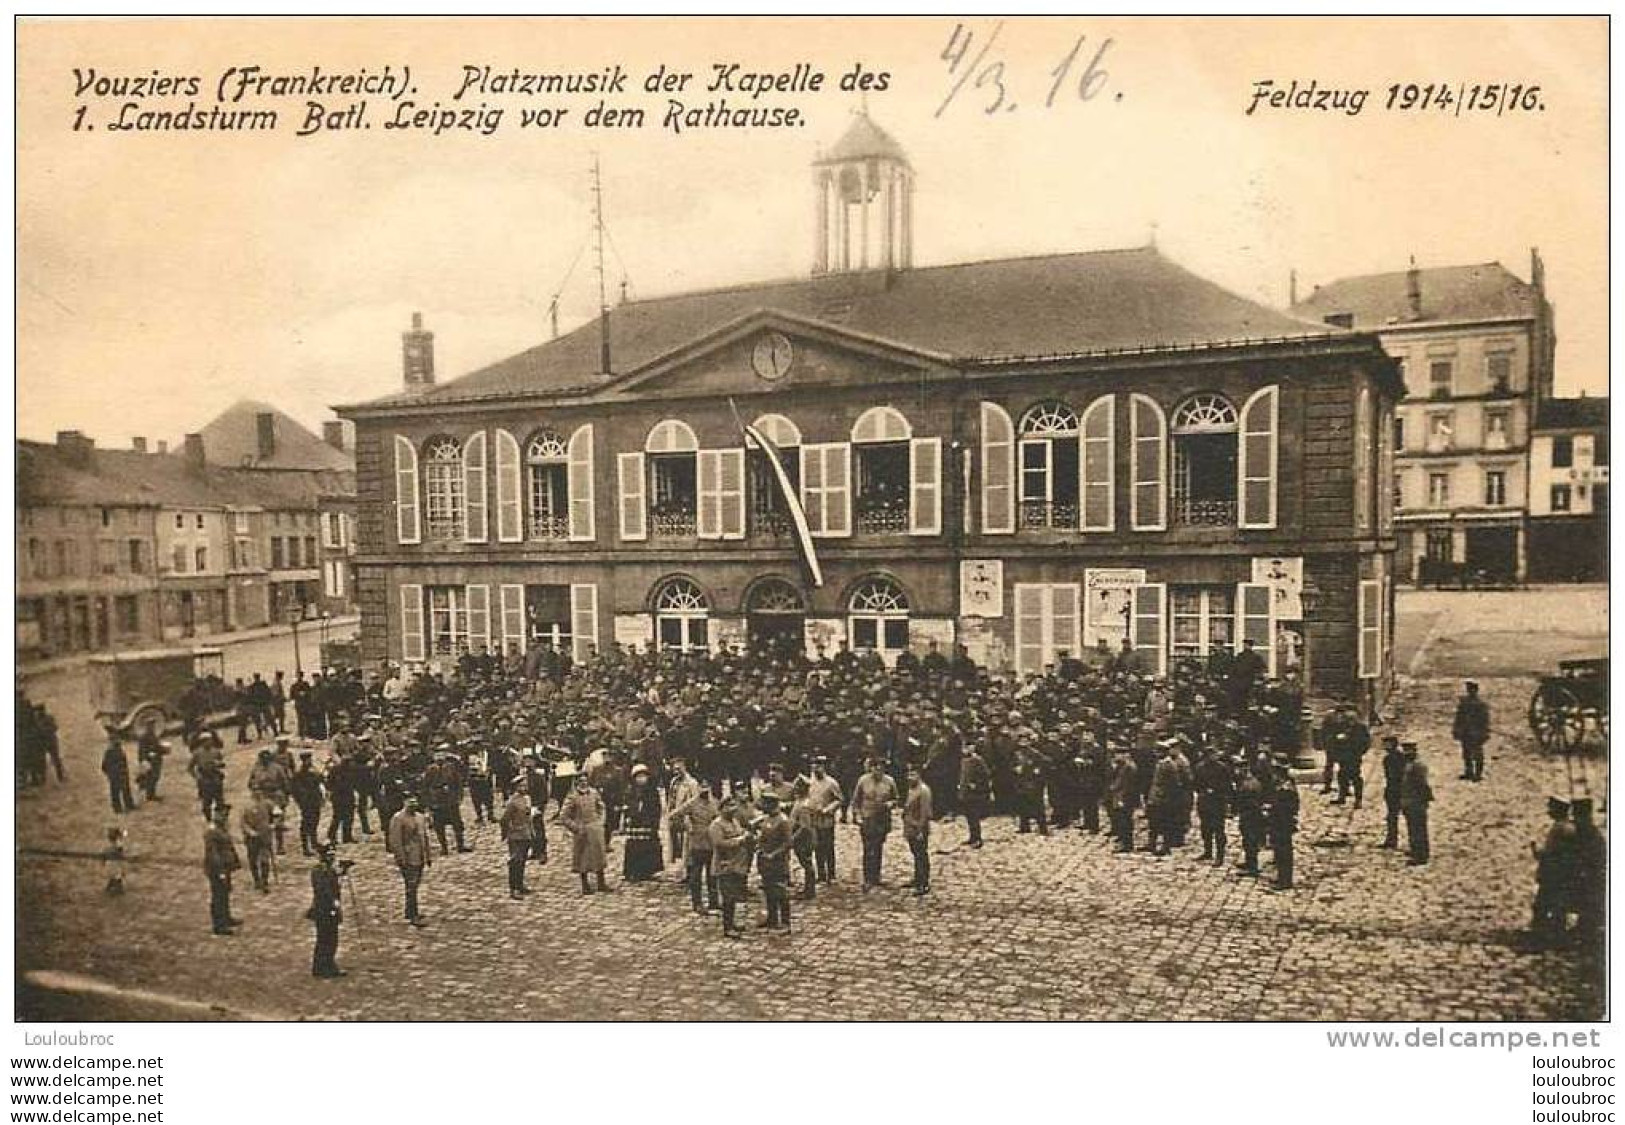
(634, 516)
(1370, 625)
(474, 525)
(1255, 618)
(407, 526)
(1029, 603)
(1065, 628)
(1256, 466)
(510, 516)
(513, 618)
(731, 492)
(925, 486)
(1096, 466)
(1148, 500)
(710, 489)
(1150, 625)
(583, 620)
(583, 520)
(998, 471)
(479, 617)
(826, 488)
(411, 623)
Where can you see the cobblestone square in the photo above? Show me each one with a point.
(1029, 927)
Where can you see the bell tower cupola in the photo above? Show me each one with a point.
(865, 191)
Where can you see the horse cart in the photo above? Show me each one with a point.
(161, 688)
(1570, 706)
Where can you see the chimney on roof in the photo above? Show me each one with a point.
(194, 452)
(1413, 290)
(1537, 270)
(417, 356)
(76, 449)
(333, 434)
(265, 434)
(1292, 288)
(139, 444)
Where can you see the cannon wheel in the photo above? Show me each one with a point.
(143, 714)
(1556, 717)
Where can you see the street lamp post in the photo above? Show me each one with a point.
(1309, 602)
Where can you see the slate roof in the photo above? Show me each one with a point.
(125, 478)
(1572, 414)
(232, 439)
(1488, 291)
(1041, 307)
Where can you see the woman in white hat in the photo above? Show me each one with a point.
(643, 859)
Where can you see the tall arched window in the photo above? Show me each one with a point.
(673, 479)
(681, 616)
(880, 446)
(443, 489)
(1049, 466)
(877, 617)
(769, 514)
(547, 485)
(1204, 432)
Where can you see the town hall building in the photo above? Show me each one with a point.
(1027, 457)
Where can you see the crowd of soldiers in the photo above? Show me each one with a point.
(730, 762)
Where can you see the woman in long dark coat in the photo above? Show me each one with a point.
(643, 855)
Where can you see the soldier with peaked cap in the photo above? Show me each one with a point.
(773, 861)
(1471, 728)
(326, 912)
(1589, 898)
(220, 859)
(1394, 764)
(1283, 818)
(1415, 794)
(583, 815)
(730, 845)
(1555, 865)
(306, 788)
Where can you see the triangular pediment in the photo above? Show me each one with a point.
(768, 351)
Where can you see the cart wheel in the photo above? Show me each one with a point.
(1556, 718)
(145, 715)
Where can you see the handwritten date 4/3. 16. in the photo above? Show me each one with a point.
(974, 62)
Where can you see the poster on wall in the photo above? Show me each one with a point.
(634, 631)
(1284, 576)
(981, 588)
(1108, 604)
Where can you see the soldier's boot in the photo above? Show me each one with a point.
(602, 886)
(586, 887)
(281, 844)
(1218, 850)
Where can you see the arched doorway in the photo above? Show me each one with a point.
(775, 618)
(682, 616)
(877, 618)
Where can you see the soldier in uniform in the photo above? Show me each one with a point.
(1250, 819)
(480, 788)
(1092, 767)
(1214, 786)
(306, 789)
(824, 799)
(407, 838)
(326, 913)
(975, 793)
(773, 861)
(1471, 729)
(1554, 874)
(443, 793)
(341, 791)
(208, 769)
(1123, 797)
(1283, 819)
(584, 816)
(1029, 786)
(1347, 739)
(257, 841)
(516, 831)
(1590, 884)
(1394, 763)
(697, 814)
(730, 846)
(804, 839)
(1415, 793)
(872, 800)
(116, 765)
(220, 859)
(917, 829)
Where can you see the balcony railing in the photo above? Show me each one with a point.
(883, 519)
(1191, 512)
(1040, 514)
(771, 524)
(676, 524)
(549, 527)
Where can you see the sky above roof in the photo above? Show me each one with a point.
(161, 278)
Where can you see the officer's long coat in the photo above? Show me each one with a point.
(583, 815)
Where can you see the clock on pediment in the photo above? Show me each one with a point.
(772, 356)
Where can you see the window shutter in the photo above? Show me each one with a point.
(513, 618)
(1255, 612)
(1096, 466)
(1255, 468)
(583, 620)
(407, 529)
(634, 518)
(411, 623)
(998, 471)
(479, 617)
(1148, 502)
(710, 489)
(474, 529)
(510, 521)
(1029, 603)
(1150, 625)
(1370, 625)
(583, 520)
(731, 492)
(812, 487)
(925, 492)
(1065, 602)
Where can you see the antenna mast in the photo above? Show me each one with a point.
(598, 245)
